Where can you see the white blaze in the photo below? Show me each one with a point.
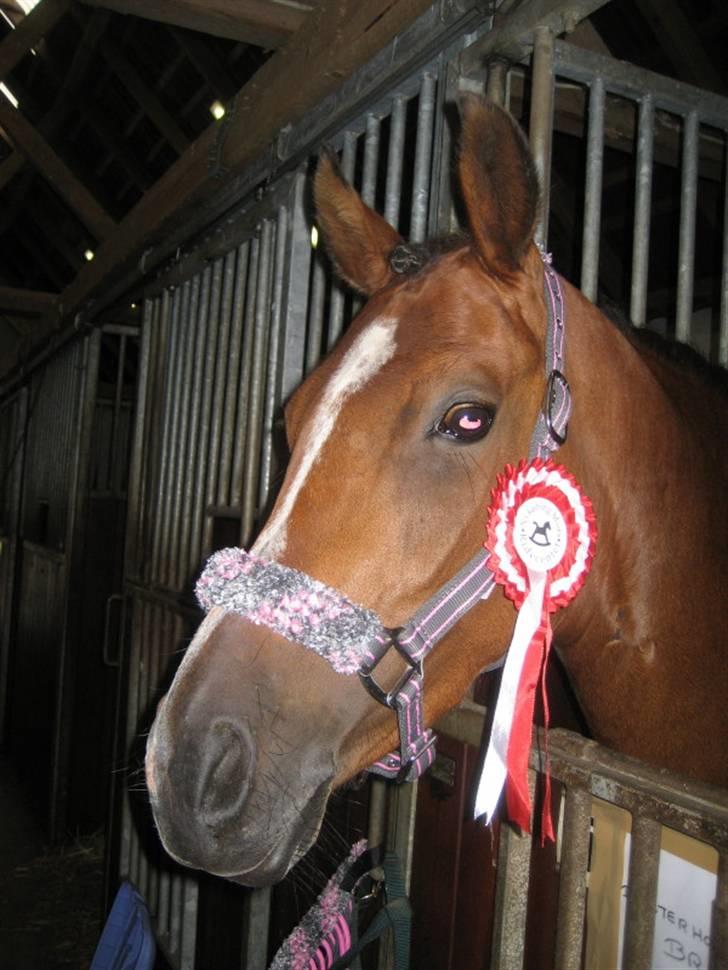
(367, 355)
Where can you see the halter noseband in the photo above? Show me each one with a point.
(353, 639)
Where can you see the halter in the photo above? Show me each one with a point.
(353, 639)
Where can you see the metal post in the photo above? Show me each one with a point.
(496, 87)
(511, 899)
(423, 155)
(236, 265)
(719, 924)
(723, 340)
(295, 295)
(275, 352)
(217, 414)
(644, 861)
(572, 882)
(189, 498)
(207, 364)
(371, 160)
(257, 383)
(173, 354)
(173, 528)
(393, 190)
(593, 191)
(338, 293)
(642, 207)
(541, 120)
(688, 205)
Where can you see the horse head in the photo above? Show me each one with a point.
(395, 443)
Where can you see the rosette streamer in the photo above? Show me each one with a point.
(541, 539)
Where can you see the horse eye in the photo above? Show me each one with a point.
(466, 422)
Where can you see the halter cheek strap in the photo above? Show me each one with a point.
(353, 639)
(475, 581)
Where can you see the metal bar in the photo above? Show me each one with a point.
(395, 159)
(246, 372)
(723, 339)
(593, 191)
(314, 336)
(497, 79)
(719, 924)
(275, 353)
(203, 458)
(295, 294)
(400, 837)
(644, 861)
(236, 265)
(182, 531)
(371, 160)
(423, 156)
(338, 293)
(257, 384)
(169, 416)
(642, 210)
(377, 811)
(180, 417)
(175, 914)
(257, 921)
(217, 427)
(136, 493)
(541, 120)
(688, 207)
(572, 881)
(511, 899)
(112, 471)
(190, 894)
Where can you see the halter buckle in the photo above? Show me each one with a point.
(389, 698)
(557, 389)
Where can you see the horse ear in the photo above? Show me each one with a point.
(499, 184)
(358, 240)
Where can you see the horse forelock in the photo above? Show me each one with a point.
(365, 357)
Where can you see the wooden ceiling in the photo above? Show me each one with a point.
(114, 95)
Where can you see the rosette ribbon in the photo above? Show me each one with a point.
(541, 539)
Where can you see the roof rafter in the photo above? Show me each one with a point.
(265, 23)
(29, 31)
(39, 153)
(33, 302)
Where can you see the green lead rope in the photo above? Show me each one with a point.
(396, 914)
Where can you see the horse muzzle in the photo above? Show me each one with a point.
(238, 782)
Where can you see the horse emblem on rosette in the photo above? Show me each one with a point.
(369, 601)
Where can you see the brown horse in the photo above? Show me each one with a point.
(396, 441)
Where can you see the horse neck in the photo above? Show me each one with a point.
(643, 442)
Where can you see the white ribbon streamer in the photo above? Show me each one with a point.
(494, 772)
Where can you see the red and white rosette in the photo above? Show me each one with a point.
(541, 538)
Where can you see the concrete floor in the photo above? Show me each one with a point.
(51, 898)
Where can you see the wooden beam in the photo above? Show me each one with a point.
(290, 83)
(29, 31)
(39, 153)
(679, 40)
(32, 302)
(512, 35)
(265, 23)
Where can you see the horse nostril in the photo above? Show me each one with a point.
(226, 766)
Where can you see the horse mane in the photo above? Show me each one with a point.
(410, 258)
(668, 349)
